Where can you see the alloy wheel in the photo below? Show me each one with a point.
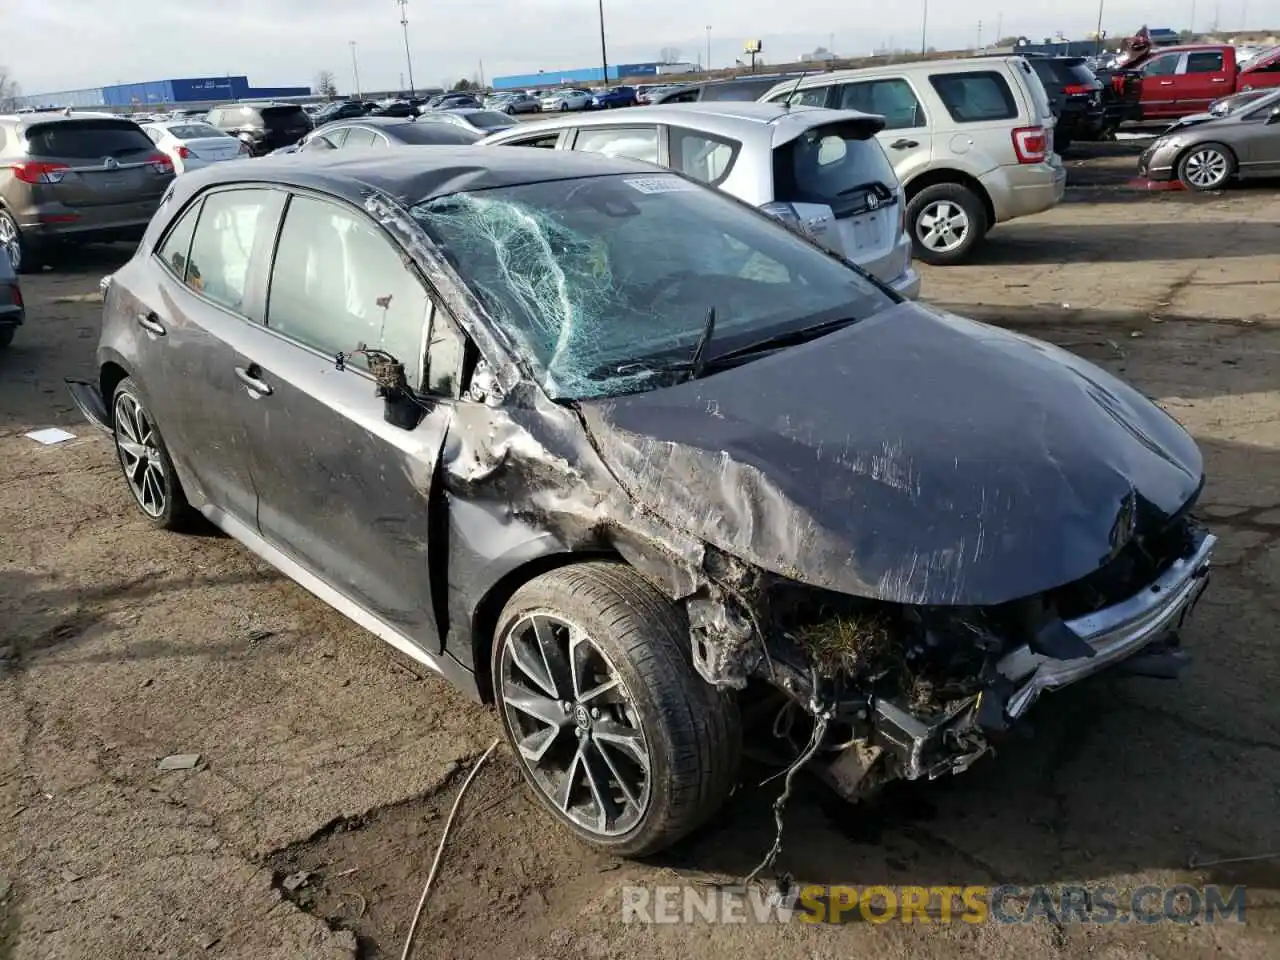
(1206, 168)
(575, 726)
(138, 447)
(942, 226)
(10, 242)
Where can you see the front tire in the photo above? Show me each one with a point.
(947, 221)
(144, 460)
(1206, 167)
(564, 107)
(613, 729)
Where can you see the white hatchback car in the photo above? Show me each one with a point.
(193, 144)
(823, 172)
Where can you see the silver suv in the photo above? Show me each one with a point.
(820, 171)
(971, 141)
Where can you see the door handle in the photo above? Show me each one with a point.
(151, 323)
(904, 144)
(1217, 79)
(250, 377)
(1166, 83)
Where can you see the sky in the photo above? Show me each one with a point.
(54, 45)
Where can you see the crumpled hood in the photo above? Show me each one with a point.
(915, 457)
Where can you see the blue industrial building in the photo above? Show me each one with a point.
(580, 75)
(155, 94)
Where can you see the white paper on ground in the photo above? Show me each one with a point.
(50, 435)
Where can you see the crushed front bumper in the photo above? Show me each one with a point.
(1120, 636)
(1115, 633)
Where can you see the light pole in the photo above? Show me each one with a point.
(404, 25)
(604, 54)
(1101, 4)
(708, 66)
(924, 28)
(355, 68)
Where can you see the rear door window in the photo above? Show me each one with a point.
(358, 137)
(545, 141)
(87, 140)
(976, 97)
(892, 99)
(702, 156)
(176, 247)
(235, 230)
(638, 143)
(808, 97)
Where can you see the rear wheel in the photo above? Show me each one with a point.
(12, 244)
(144, 460)
(1207, 166)
(947, 221)
(6, 336)
(613, 729)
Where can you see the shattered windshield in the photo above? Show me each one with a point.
(599, 281)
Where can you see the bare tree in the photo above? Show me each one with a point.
(9, 90)
(325, 85)
(462, 85)
(669, 55)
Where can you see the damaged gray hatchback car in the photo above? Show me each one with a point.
(608, 448)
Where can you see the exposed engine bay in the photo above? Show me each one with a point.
(904, 692)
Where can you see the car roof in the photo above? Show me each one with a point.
(742, 120)
(24, 121)
(369, 122)
(412, 175)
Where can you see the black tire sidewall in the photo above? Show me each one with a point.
(26, 264)
(963, 197)
(175, 507)
(1200, 148)
(546, 594)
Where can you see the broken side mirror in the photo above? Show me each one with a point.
(401, 405)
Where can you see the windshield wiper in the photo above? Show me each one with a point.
(692, 368)
(698, 362)
(786, 339)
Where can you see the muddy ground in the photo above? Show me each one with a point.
(320, 752)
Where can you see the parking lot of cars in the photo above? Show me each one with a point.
(320, 767)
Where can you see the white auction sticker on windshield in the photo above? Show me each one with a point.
(660, 184)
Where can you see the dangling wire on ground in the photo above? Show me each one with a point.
(444, 837)
(821, 715)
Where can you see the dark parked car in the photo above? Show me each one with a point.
(1208, 152)
(1075, 95)
(613, 98)
(626, 457)
(394, 108)
(75, 179)
(344, 110)
(447, 101)
(12, 312)
(374, 132)
(738, 88)
(263, 126)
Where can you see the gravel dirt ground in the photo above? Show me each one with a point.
(321, 752)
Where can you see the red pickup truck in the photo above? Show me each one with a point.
(1178, 81)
